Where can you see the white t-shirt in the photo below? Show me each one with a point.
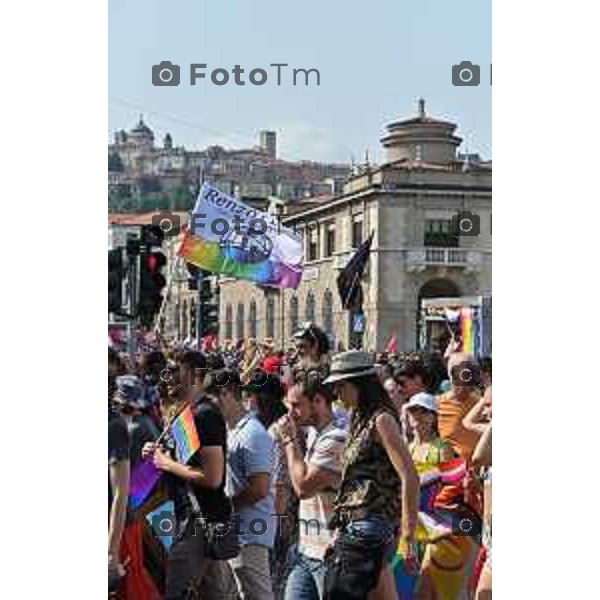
(324, 450)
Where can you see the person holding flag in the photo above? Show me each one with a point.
(195, 478)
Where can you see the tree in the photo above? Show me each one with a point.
(181, 198)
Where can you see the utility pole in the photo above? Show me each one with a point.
(199, 307)
(132, 253)
(200, 178)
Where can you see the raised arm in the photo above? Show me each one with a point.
(472, 420)
(482, 455)
(307, 478)
(119, 482)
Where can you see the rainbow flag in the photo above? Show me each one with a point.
(452, 471)
(142, 481)
(466, 330)
(230, 237)
(185, 435)
(449, 556)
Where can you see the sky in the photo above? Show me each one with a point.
(375, 60)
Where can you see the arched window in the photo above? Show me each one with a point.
(229, 322)
(270, 317)
(252, 320)
(294, 314)
(328, 312)
(310, 313)
(239, 322)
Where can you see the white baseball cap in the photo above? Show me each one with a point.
(424, 400)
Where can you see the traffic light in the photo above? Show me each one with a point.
(116, 272)
(210, 319)
(193, 321)
(209, 308)
(152, 281)
(205, 291)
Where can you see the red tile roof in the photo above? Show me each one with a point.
(138, 218)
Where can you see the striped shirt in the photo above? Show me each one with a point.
(324, 450)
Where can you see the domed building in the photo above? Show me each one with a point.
(409, 202)
(421, 138)
(141, 135)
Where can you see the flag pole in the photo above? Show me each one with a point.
(349, 295)
(170, 275)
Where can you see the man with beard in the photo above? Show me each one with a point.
(315, 477)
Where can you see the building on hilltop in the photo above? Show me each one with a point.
(145, 176)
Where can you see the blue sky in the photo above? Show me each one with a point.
(375, 58)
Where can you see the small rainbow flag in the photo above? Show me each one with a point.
(185, 435)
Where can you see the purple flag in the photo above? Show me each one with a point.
(142, 482)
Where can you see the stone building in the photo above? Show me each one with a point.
(408, 201)
(139, 168)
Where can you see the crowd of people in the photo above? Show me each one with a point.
(319, 475)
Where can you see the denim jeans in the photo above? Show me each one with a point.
(305, 579)
(372, 529)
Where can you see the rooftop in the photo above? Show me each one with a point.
(139, 218)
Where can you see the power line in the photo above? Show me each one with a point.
(243, 138)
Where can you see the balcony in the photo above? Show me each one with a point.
(420, 258)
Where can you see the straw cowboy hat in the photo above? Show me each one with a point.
(350, 364)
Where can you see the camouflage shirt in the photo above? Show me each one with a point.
(369, 480)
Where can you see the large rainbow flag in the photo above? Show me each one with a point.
(230, 237)
(446, 559)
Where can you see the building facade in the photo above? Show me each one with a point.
(408, 202)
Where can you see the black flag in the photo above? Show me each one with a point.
(348, 280)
